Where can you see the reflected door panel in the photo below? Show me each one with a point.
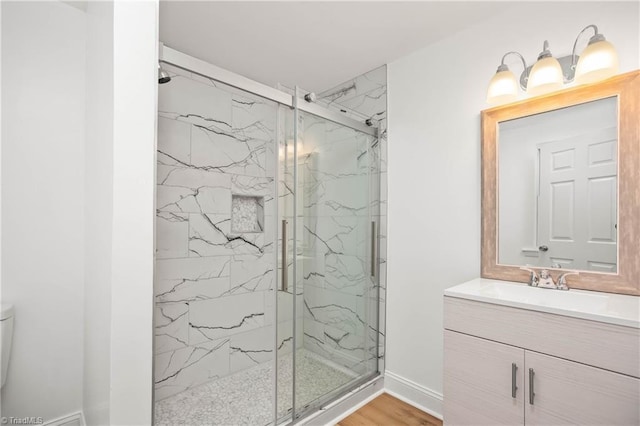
(576, 205)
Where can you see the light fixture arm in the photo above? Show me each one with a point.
(546, 53)
(575, 43)
(503, 67)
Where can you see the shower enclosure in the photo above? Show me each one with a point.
(267, 272)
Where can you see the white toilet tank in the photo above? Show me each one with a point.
(6, 334)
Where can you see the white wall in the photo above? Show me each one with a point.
(60, 196)
(43, 88)
(435, 98)
(134, 127)
(98, 193)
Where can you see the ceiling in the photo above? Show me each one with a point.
(316, 45)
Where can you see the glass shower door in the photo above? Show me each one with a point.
(328, 301)
(215, 257)
(336, 244)
(327, 295)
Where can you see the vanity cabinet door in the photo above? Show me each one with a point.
(478, 383)
(566, 392)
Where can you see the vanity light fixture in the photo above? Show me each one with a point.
(598, 61)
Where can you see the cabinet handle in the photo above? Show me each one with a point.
(514, 388)
(531, 393)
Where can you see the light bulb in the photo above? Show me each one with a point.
(597, 62)
(503, 87)
(545, 76)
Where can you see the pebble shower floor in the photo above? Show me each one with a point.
(245, 398)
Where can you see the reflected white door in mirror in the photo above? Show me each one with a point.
(558, 188)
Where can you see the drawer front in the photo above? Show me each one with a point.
(568, 393)
(607, 346)
(479, 380)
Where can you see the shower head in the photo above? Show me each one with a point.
(163, 76)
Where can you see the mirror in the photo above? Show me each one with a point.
(561, 186)
(557, 188)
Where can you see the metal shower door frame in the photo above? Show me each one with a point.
(178, 59)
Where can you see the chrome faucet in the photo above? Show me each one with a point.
(545, 280)
(533, 277)
(562, 280)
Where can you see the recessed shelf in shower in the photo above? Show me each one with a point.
(247, 213)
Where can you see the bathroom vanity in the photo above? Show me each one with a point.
(515, 354)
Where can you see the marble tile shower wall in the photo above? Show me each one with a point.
(338, 295)
(213, 285)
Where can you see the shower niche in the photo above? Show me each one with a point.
(268, 271)
(247, 213)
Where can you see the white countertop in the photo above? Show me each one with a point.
(591, 305)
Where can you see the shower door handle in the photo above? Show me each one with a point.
(285, 269)
(374, 249)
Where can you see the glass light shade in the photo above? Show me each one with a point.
(597, 62)
(503, 88)
(545, 76)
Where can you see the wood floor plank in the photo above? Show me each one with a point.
(386, 410)
(355, 419)
(409, 415)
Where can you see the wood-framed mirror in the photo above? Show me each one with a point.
(561, 186)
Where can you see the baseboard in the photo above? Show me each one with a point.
(412, 393)
(76, 419)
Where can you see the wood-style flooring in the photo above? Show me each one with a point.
(386, 410)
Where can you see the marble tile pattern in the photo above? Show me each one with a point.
(215, 275)
(343, 308)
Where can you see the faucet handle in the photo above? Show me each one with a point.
(533, 278)
(562, 280)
